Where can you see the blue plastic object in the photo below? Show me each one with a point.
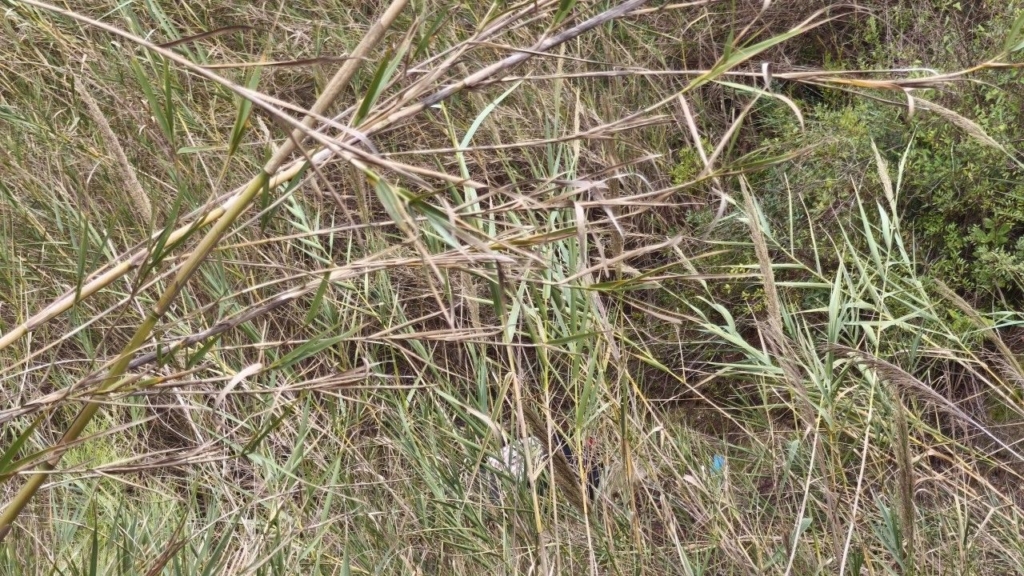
(717, 463)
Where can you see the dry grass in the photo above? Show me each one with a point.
(268, 294)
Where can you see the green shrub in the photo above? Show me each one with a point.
(963, 199)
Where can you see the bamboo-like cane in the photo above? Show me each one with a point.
(226, 215)
(129, 263)
(223, 223)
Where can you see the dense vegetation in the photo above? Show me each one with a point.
(278, 281)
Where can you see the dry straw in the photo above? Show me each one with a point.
(132, 187)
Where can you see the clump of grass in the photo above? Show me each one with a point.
(472, 231)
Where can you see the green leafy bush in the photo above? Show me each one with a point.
(962, 198)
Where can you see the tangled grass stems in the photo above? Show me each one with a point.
(785, 395)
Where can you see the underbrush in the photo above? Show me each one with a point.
(962, 200)
(233, 344)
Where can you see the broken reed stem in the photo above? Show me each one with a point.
(168, 349)
(142, 333)
(69, 299)
(227, 214)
